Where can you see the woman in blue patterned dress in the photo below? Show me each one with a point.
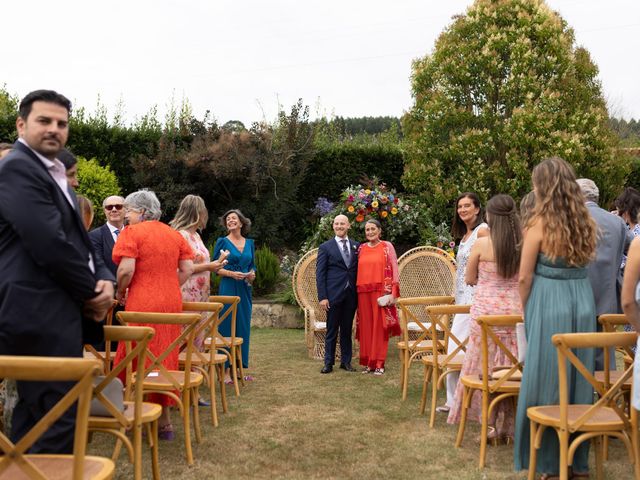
(237, 278)
(559, 241)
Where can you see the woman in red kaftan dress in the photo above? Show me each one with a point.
(377, 277)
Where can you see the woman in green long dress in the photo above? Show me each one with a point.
(559, 242)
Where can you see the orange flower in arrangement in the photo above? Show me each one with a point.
(351, 209)
(384, 214)
(359, 218)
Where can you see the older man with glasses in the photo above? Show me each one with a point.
(104, 237)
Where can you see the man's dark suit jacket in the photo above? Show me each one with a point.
(103, 243)
(332, 274)
(44, 263)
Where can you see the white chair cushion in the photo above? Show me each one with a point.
(320, 325)
(414, 327)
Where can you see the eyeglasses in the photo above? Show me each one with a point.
(113, 207)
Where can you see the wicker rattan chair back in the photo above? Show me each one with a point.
(306, 293)
(425, 272)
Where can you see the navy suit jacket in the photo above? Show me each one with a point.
(333, 275)
(103, 243)
(44, 263)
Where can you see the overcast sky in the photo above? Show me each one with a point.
(241, 58)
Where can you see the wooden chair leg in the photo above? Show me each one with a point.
(196, 414)
(435, 374)
(599, 451)
(239, 364)
(137, 452)
(152, 435)
(425, 387)
(484, 428)
(563, 438)
(533, 451)
(234, 371)
(212, 395)
(401, 358)
(463, 416)
(186, 423)
(405, 372)
(223, 391)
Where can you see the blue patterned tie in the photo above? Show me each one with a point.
(345, 252)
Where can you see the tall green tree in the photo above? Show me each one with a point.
(504, 88)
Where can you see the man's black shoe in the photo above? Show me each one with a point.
(327, 369)
(347, 367)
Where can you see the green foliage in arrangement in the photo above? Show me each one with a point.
(96, 183)
(504, 88)
(267, 271)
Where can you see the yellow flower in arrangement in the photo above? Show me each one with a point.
(351, 209)
(384, 214)
(374, 204)
(394, 211)
(367, 191)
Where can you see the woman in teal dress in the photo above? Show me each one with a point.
(237, 278)
(559, 241)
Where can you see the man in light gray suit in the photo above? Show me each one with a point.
(614, 239)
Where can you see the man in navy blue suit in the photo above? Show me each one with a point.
(53, 290)
(104, 237)
(336, 271)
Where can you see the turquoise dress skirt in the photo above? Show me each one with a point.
(237, 262)
(561, 301)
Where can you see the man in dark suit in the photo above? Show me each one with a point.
(336, 270)
(52, 291)
(103, 238)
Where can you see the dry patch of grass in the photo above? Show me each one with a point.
(294, 423)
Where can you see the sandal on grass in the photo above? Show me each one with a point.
(228, 381)
(165, 432)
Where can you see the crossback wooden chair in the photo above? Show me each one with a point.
(426, 272)
(15, 463)
(438, 363)
(411, 310)
(104, 356)
(136, 412)
(306, 293)
(587, 422)
(210, 363)
(158, 379)
(232, 344)
(501, 384)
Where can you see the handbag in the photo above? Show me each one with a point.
(114, 391)
(386, 300)
(521, 340)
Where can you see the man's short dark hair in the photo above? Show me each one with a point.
(49, 96)
(67, 158)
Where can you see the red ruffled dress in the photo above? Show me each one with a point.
(377, 276)
(154, 287)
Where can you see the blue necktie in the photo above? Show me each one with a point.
(345, 252)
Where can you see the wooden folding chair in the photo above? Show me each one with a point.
(136, 413)
(438, 363)
(158, 379)
(495, 388)
(586, 422)
(211, 363)
(105, 356)
(232, 344)
(15, 463)
(411, 310)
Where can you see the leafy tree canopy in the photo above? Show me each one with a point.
(504, 88)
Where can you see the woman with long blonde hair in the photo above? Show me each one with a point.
(559, 242)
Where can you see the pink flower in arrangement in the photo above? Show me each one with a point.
(452, 244)
(350, 198)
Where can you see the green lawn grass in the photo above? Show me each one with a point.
(292, 422)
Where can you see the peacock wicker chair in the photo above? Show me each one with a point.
(306, 293)
(425, 272)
